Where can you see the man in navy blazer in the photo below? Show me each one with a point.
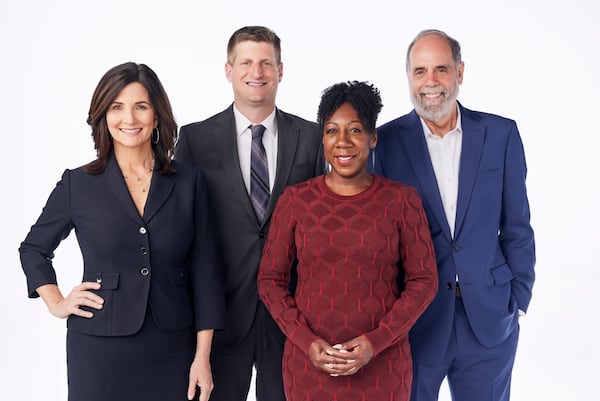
(221, 147)
(469, 168)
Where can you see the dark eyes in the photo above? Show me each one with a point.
(353, 130)
(141, 107)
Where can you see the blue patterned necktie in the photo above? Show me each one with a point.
(259, 173)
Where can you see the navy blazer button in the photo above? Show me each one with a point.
(142, 230)
(449, 286)
(144, 251)
(456, 249)
(144, 271)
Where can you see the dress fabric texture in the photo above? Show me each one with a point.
(365, 265)
(159, 281)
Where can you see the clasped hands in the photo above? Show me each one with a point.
(343, 359)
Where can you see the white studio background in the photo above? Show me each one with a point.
(534, 61)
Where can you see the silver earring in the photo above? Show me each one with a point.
(372, 159)
(157, 139)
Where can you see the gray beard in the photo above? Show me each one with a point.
(437, 112)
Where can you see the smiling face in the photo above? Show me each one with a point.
(254, 74)
(347, 144)
(434, 78)
(130, 118)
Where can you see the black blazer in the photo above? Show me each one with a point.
(212, 146)
(164, 259)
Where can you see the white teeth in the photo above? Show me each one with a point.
(345, 158)
(130, 130)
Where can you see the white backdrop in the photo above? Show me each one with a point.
(529, 60)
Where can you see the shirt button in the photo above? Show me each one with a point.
(144, 251)
(142, 230)
(144, 271)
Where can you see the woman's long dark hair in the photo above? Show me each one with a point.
(109, 87)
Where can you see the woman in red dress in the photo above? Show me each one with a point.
(365, 265)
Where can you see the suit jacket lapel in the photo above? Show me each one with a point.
(287, 142)
(116, 190)
(225, 139)
(418, 155)
(473, 135)
(161, 188)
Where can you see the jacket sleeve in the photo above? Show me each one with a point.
(53, 225)
(207, 281)
(516, 234)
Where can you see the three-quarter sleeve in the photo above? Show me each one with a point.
(53, 225)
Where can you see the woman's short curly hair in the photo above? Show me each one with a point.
(363, 96)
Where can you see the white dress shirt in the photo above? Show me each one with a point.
(444, 152)
(244, 144)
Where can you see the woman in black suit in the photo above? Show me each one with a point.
(140, 324)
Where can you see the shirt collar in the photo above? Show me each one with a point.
(457, 128)
(242, 123)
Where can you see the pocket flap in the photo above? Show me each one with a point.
(502, 274)
(108, 281)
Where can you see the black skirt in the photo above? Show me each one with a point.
(151, 365)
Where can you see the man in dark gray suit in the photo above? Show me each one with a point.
(222, 147)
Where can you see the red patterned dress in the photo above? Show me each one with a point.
(349, 252)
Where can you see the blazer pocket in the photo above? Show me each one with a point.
(177, 277)
(108, 281)
(489, 174)
(502, 274)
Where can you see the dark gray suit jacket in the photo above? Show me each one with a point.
(211, 145)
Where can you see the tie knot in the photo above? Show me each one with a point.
(257, 131)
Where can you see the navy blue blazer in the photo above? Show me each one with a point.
(493, 251)
(164, 259)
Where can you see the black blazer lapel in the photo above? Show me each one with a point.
(161, 188)
(287, 144)
(116, 190)
(224, 136)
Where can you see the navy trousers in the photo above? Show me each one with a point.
(474, 372)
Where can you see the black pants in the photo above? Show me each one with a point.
(232, 364)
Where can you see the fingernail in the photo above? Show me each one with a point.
(350, 361)
(328, 352)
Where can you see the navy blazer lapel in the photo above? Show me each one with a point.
(161, 188)
(418, 154)
(225, 140)
(473, 135)
(115, 188)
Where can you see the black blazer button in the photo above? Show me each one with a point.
(144, 271)
(142, 230)
(143, 250)
(262, 234)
